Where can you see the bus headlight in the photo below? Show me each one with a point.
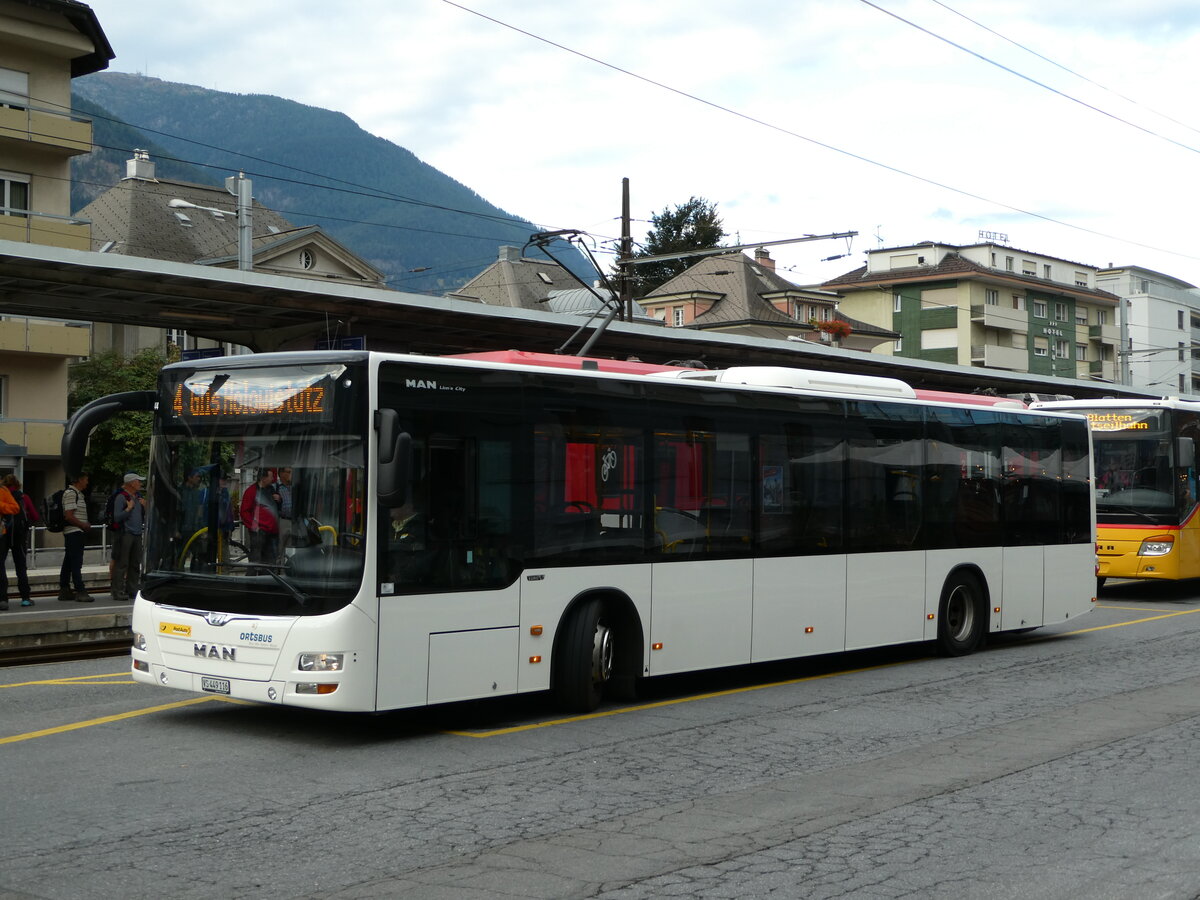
(1160, 545)
(139, 641)
(321, 662)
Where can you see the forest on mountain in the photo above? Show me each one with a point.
(312, 165)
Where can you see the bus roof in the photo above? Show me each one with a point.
(558, 361)
(970, 399)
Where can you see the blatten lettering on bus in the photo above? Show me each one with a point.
(214, 651)
(1117, 422)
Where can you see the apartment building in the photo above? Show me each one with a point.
(43, 45)
(988, 305)
(1162, 329)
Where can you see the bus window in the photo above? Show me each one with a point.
(703, 494)
(884, 478)
(1032, 471)
(963, 478)
(801, 471)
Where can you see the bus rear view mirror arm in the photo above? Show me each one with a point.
(83, 420)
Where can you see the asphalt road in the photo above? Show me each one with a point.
(1055, 764)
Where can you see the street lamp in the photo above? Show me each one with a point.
(239, 186)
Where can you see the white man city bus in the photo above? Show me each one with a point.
(1145, 454)
(512, 523)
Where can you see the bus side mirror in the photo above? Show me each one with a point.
(1185, 452)
(395, 459)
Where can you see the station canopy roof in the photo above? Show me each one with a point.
(270, 312)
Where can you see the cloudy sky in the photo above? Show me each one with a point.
(1071, 126)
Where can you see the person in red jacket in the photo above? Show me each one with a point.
(260, 515)
(18, 539)
(14, 529)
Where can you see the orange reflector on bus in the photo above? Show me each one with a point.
(808, 629)
(535, 659)
(535, 630)
(314, 687)
(930, 617)
(657, 646)
(996, 609)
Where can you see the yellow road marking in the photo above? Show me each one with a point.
(1135, 608)
(661, 703)
(1170, 615)
(104, 720)
(758, 687)
(74, 679)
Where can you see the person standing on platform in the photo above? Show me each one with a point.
(18, 539)
(8, 510)
(129, 517)
(75, 527)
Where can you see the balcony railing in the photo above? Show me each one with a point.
(995, 316)
(994, 356)
(50, 128)
(46, 229)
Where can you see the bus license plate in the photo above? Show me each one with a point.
(215, 685)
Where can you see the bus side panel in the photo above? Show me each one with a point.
(1070, 581)
(795, 594)
(545, 594)
(406, 622)
(1021, 603)
(1187, 546)
(940, 563)
(702, 614)
(885, 599)
(470, 665)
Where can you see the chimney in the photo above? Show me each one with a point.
(141, 167)
(763, 258)
(510, 254)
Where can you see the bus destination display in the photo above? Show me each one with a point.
(291, 400)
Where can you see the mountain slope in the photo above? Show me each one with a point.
(312, 165)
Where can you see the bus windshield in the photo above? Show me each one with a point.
(1138, 479)
(257, 484)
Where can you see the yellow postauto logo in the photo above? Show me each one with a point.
(174, 629)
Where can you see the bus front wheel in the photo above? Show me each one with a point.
(961, 615)
(584, 663)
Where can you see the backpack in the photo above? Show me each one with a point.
(109, 507)
(52, 514)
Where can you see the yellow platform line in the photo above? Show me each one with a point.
(1170, 615)
(74, 679)
(758, 687)
(663, 703)
(105, 720)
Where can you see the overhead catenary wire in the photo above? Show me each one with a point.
(1066, 69)
(819, 143)
(1030, 79)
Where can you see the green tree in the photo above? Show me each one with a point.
(122, 444)
(694, 225)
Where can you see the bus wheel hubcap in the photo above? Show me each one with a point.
(960, 613)
(602, 654)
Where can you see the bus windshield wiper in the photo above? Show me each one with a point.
(300, 596)
(1145, 516)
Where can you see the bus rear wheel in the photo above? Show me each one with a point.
(584, 662)
(961, 616)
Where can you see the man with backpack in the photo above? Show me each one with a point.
(75, 525)
(128, 523)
